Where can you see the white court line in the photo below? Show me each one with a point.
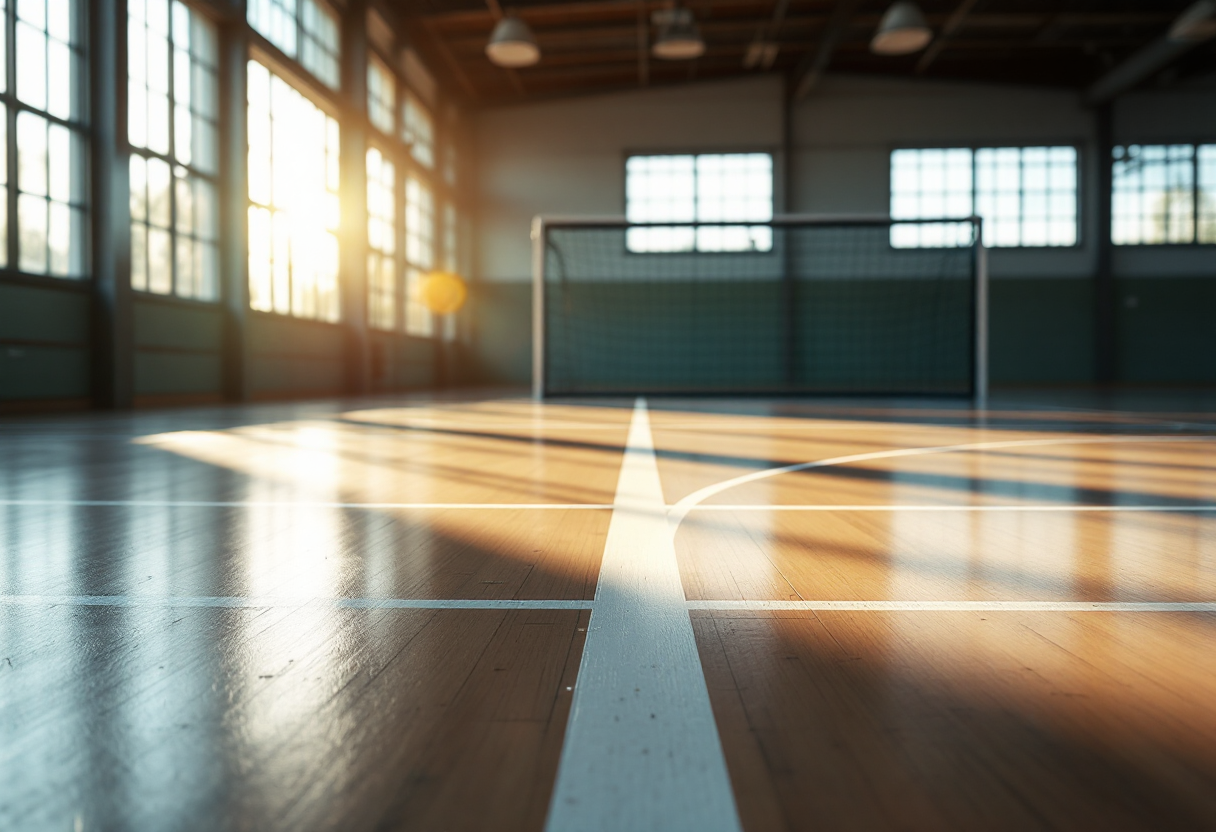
(680, 510)
(236, 602)
(641, 752)
(868, 507)
(961, 606)
(305, 504)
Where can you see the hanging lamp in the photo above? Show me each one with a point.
(512, 44)
(901, 31)
(678, 38)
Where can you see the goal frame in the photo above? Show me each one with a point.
(543, 224)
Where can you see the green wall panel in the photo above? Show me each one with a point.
(287, 375)
(168, 373)
(161, 324)
(1041, 331)
(279, 335)
(37, 372)
(32, 313)
(1167, 330)
(501, 316)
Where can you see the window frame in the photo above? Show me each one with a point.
(216, 179)
(80, 128)
(1195, 242)
(778, 196)
(302, 82)
(1083, 207)
(261, 41)
(398, 230)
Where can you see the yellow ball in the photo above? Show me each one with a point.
(443, 292)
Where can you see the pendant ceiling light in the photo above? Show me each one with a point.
(901, 31)
(512, 44)
(678, 38)
(1196, 24)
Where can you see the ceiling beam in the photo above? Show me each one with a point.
(954, 23)
(643, 45)
(811, 69)
(1142, 65)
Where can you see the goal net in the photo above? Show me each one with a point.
(791, 306)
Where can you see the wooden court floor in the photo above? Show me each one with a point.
(491, 614)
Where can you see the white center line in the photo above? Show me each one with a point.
(641, 751)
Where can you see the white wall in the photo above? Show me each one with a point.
(844, 132)
(568, 156)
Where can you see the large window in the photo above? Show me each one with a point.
(52, 149)
(381, 96)
(381, 241)
(172, 108)
(1027, 196)
(707, 188)
(418, 130)
(419, 253)
(306, 30)
(293, 194)
(1163, 194)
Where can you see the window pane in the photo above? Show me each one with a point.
(319, 46)
(381, 95)
(382, 241)
(49, 58)
(1152, 198)
(932, 183)
(419, 253)
(31, 65)
(735, 186)
(275, 20)
(293, 267)
(419, 223)
(31, 223)
(660, 189)
(1207, 193)
(418, 319)
(172, 114)
(418, 130)
(708, 188)
(31, 154)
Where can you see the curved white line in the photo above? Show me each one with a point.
(679, 510)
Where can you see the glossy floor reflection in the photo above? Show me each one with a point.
(198, 630)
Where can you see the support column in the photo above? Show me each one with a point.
(113, 359)
(234, 202)
(1106, 344)
(353, 234)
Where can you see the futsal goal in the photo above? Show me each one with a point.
(796, 305)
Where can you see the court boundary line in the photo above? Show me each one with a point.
(507, 604)
(592, 506)
(955, 606)
(946, 508)
(305, 504)
(681, 508)
(270, 602)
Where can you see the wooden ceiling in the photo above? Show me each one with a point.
(601, 45)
